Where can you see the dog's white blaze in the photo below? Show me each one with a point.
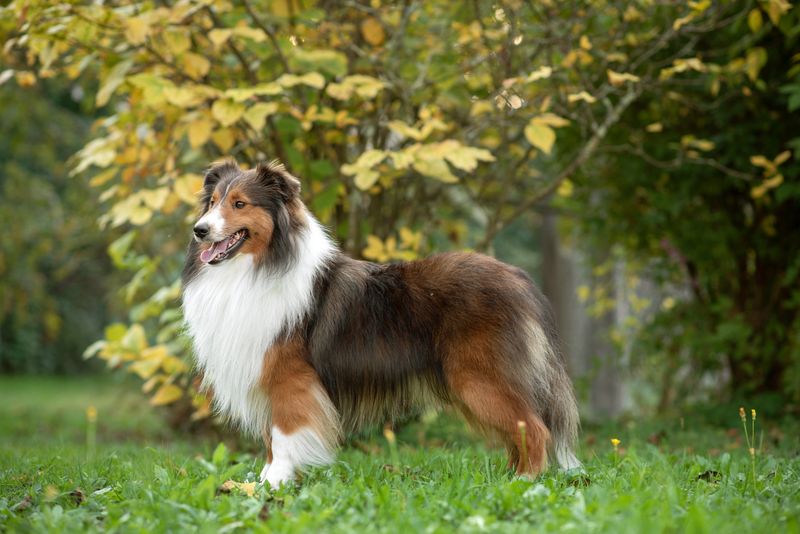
(216, 223)
(234, 313)
(292, 451)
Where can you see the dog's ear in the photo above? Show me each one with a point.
(274, 174)
(217, 170)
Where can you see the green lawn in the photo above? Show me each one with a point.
(667, 476)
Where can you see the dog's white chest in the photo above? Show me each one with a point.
(234, 314)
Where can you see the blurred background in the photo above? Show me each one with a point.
(638, 159)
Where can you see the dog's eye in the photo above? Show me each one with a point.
(238, 204)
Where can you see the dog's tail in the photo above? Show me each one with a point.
(563, 421)
(553, 396)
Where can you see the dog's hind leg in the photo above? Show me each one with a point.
(492, 405)
(305, 425)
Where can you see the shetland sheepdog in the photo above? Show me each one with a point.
(301, 344)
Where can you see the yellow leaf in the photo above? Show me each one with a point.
(774, 182)
(367, 160)
(254, 34)
(366, 86)
(373, 32)
(632, 14)
(184, 97)
(374, 249)
(435, 168)
(166, 394)
(227, 111)
(683, 21)
(464, 157)
(583, 293)
(199, 132)
(583, 95)
(196, 66)
(410, 239)
(137, 29)
(756, 58)
(103, 177)
(758, 191)
(618, 79)
(154, 198)
(760, 161)
(405, 130)
(134, 339)
(148, 386)
(551, 119)
(755, 20)
(219, 36)
(479, 107)
(256, 116)
(240, 95)
(248, 488)
(565, 189)
(539, 74)
(654, 127)
(144, 368)
(25, 78)
(776, 9)
(139, 215)
(172, 365)
(223, 138)
(177, 41)
(113, 79)
(313, 79)
(540, 136)
(188, 186)
(782, 157)
(401, 160)
(585, 43)
(365, 178)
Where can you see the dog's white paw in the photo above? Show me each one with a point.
(279, 473)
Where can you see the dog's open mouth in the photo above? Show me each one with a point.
(222, 250)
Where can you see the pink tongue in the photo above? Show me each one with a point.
(210, 253)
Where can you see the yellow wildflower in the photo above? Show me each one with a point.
(91, 414)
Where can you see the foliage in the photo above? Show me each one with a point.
(53, 265)
(694, 479)
(436, 123)
(708, 186)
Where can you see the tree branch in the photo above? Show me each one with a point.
(584, 154)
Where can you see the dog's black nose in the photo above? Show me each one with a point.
(201, 230)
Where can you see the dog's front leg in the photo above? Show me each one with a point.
(305, 425)
(267, 437)
(303, 447)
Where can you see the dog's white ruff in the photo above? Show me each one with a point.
(234, 313)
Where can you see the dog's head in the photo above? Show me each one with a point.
(250, 211)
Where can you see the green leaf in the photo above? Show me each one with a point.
(120, 247)
(220, 454)
(112, 81)
(327, 61)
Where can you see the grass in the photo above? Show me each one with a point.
(665, 476)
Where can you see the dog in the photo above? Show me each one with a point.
(301, 344)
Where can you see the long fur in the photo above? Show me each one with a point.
(289, 320)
